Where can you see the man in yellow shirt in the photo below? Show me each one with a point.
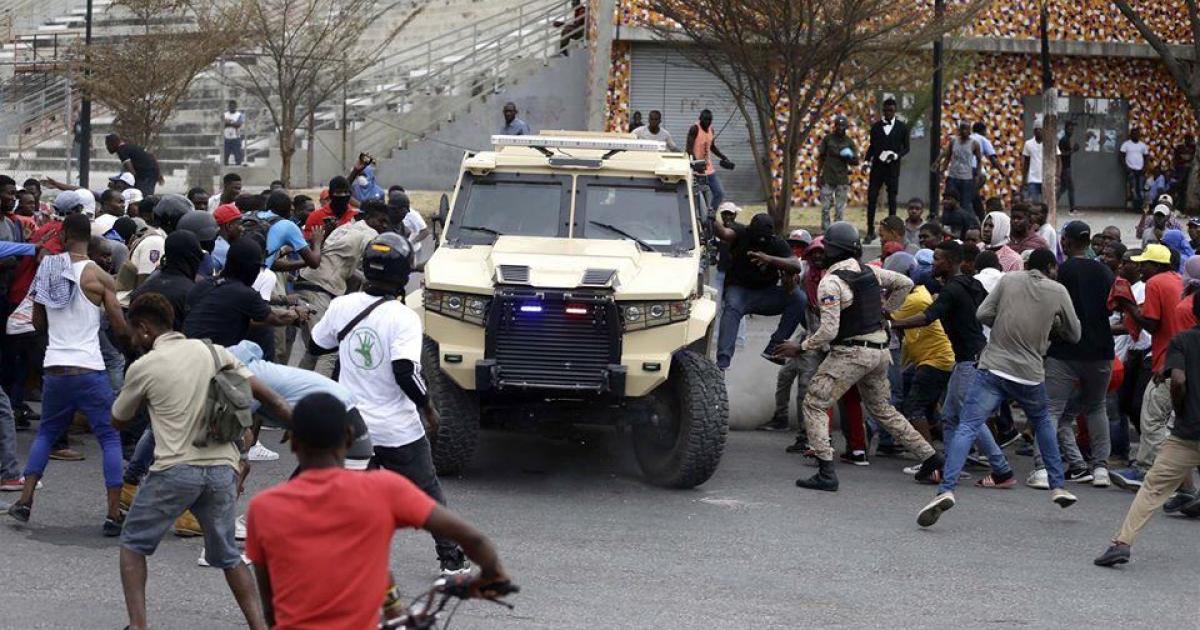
(925, 350)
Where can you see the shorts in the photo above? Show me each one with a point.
(210, 492)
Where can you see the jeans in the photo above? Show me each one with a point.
(834, 197)
(62, 396)
(210, 492)
(1137, 186)
(1067, 185)
(1033, 192)
(988, 391)
(716, 192)
(143, 456)
(114, 360)
(415, 461)
(741, 301)
(10, 468)
(965, 189)
(233, 146)
(961, 380)
(1086, 382)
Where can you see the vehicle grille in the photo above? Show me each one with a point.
(553, 348)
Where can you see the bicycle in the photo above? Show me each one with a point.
(426, 609)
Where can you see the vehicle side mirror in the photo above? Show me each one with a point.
(443, 209)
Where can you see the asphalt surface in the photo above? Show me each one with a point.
(593, 546)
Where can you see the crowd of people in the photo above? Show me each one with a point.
(958, 324)
(160, 322)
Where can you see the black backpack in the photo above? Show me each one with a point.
(257, 228)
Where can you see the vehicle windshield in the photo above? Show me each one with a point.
(654, 215)
(496, 207)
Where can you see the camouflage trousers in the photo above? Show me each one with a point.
(843, 368)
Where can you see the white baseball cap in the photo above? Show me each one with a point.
(728, 206)
(126, 177)
(1162, 208)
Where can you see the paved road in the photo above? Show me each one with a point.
(594, 547)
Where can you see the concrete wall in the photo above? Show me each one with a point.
(551, 99)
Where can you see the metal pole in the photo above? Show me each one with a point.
(85, 112)
(345, 119)
(935, 118)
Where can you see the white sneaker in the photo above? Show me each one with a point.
(911, 470)
(931, 512)
(1038, 479)
(1100, 478)
(260, 453)
(1062, 498)
(239, 528)
(204, 561)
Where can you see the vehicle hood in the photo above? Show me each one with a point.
(556, 263)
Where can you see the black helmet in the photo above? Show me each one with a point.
(388, 259)
(842, 242)
(169, 210)
(202, 224)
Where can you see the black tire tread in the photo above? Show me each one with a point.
(704, 401)
(457, 436)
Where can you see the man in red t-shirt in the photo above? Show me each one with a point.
(1157, 316)
(327, 566)
(336, 212)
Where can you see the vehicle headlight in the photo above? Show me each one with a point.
(465, 306)
(639, 315)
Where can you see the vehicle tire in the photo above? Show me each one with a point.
(680, 444)
(457, 435)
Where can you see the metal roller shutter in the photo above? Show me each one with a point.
(662, 78)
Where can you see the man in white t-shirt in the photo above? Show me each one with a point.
(1133, 158)
(1031, 161)
(378, 340)
(233, 121)
(400, 212)
(655, 131)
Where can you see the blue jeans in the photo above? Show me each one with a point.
(716, 191)
(1033, 192)
(62, 396)
(988, 391)
(114, 361)
(1137, 185)
(965, 189)
(210, 492)
(961, 379)
(10, 468)
(740, 301)
(143, 457)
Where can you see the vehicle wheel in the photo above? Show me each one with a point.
(680, 445)
(454, 443)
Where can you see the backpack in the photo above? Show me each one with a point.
(257, 227)
(227, 408)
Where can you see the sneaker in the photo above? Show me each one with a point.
(455, 564)
(1038, 479)
(186, 526)
(856, 458)
(768, 353)
(204, 561)
(1128, 479)
(775, 424)
(1080, 476)
(239, 528)
(16, 485)
(260, 453)
(112, 527)
(67, 455)
(20, 511)
(1006, 440)
(1062, 498)
(128, 492)
(1177, 501)
(1118, 553)
(933, 511)
(930, 470)
(1192, 509)
(1100, 478)
(911, 470)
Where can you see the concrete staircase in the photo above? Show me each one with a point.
(465, 51)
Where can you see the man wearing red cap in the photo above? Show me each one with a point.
(229, 226)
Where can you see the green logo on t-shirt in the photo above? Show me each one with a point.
(366, 351)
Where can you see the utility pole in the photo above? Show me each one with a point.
(84, 135)
(935, 117)
(1049, 122)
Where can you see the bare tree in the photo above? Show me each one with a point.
(306, 51)
(142, 75)
(1185, 73)
(788, 63)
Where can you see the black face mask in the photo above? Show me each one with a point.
(339, 205)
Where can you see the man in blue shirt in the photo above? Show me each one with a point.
(285, 233)
(513, 126)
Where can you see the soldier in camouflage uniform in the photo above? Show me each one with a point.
(852, 304)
